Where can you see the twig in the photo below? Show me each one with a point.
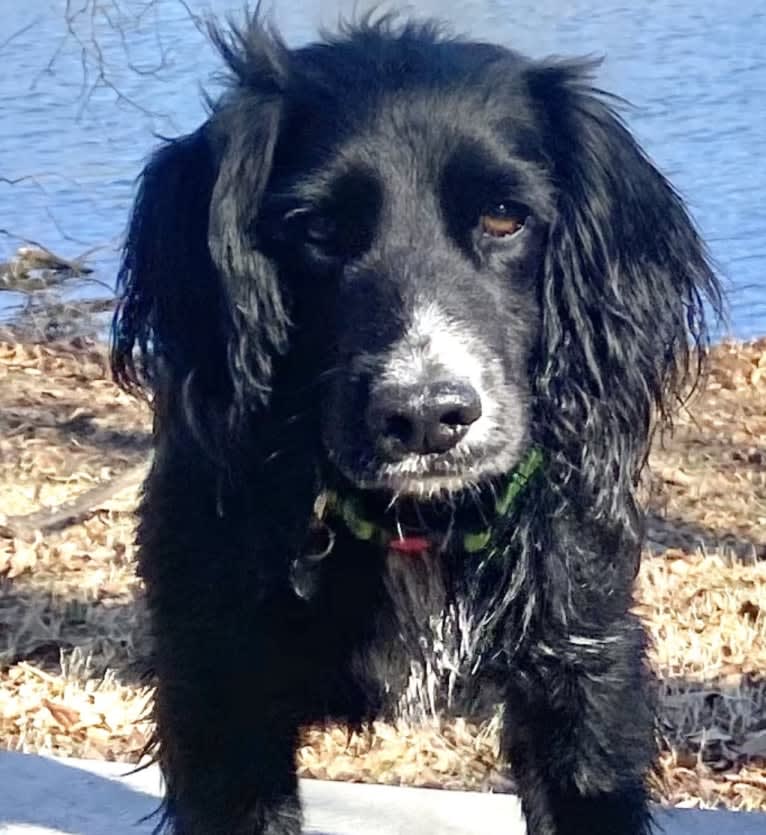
(19, 32)
(72, 512)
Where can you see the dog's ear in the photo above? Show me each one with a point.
(200, 309)
(247, 130)
(625, 283)
(171, 315)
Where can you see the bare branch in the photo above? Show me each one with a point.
(65, 235)
(38, 256)
(6, 233)
(69, 513)
(14, 181)
(19, 32)
(84, 21)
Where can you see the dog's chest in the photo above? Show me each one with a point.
(430, 649)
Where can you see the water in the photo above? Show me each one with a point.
(695, 73)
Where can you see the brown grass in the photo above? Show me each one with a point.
(73, 644)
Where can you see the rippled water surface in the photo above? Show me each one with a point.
(694, 72)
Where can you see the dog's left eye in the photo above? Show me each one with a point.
(503, 220)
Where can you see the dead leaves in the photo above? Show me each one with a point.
(454, 754)
(62, 714)
(737, 366)
(70, 605)
(65, 717)
(16, 555)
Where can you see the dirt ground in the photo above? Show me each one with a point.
(73, 645)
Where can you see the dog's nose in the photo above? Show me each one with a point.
(422, 420)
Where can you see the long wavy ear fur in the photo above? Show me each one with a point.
(171, 303)
(201, 312)
(626, 279)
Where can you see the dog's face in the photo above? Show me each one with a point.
(424, 226)
(452, 251)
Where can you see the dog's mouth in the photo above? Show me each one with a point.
(436, 479)
(465, 514)
(406, 522)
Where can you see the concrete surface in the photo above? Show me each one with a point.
(46, 796)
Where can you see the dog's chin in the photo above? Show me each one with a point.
(426, 477)
(426, 486)
(428, 497)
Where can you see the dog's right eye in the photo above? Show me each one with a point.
(320, 229)
(312, 226)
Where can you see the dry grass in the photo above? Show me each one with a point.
(73, 647)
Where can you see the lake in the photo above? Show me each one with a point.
(83, 99)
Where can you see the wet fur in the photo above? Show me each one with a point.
(253, 350)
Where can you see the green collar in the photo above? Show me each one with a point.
(350, 510)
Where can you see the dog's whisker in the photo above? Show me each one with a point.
(395, 496)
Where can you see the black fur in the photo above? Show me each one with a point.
(278, 263)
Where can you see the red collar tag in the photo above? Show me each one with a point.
(410, 545)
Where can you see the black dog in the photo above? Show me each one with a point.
(410, 308)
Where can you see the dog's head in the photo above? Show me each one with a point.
(451, 251)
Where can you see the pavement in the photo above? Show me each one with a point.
(47, 796)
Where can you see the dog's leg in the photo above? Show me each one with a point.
(229, 651)
(579, 735)
(226, 735)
